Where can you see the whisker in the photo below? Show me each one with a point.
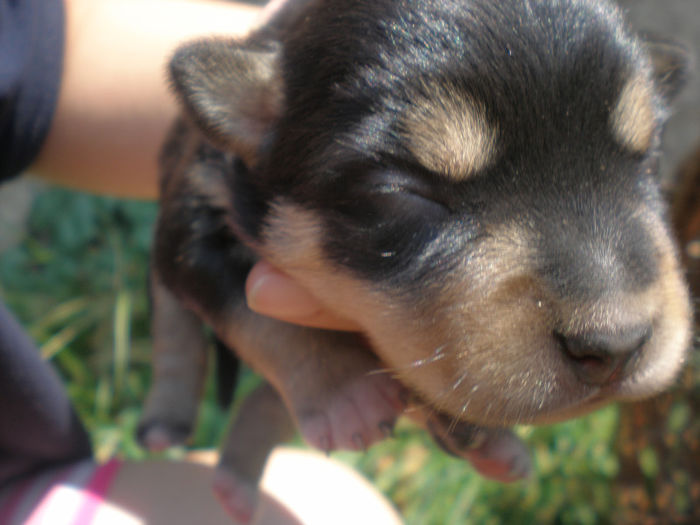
(437, 355)
(459, 381)
(455, 420)
(438, 406)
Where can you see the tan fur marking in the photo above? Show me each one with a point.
(633, 118)
(449, 133)
(292, 238)
(672, 327)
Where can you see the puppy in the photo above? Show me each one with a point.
(473, 182)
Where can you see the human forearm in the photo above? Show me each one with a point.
(115, 107)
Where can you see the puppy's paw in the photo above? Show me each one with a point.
(156, 435)
(353, 416)
(494, 452)
(238, 496)
(502, 456)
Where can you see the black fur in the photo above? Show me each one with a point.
(576, 68)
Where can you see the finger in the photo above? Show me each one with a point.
(273, 293)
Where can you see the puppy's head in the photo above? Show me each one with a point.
(474, 182)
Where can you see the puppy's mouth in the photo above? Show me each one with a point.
(578, 384)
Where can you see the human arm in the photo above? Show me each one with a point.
(115, 106)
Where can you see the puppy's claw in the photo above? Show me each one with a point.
(521, 468)
(325, 445)
(359, 442)
(387, 429)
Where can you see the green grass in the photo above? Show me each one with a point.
(574, 465)
(78, 283)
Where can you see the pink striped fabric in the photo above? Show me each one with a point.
(37, 499)
(95, 491)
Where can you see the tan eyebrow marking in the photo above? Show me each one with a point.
(633, 119)
(449, 133)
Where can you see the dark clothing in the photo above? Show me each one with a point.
(31, 53)
(38, 425)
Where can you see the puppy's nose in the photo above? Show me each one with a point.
(598, 357)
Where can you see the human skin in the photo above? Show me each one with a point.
(187, 497)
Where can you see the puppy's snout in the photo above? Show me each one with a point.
(598, 357)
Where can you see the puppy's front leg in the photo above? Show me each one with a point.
(330, 382)
(179, 367)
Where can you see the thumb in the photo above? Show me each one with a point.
(273, 293)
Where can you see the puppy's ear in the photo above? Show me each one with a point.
(670, 62)
(233, 91)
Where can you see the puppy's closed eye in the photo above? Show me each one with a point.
(408, 195)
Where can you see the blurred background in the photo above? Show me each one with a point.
(73, 269)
